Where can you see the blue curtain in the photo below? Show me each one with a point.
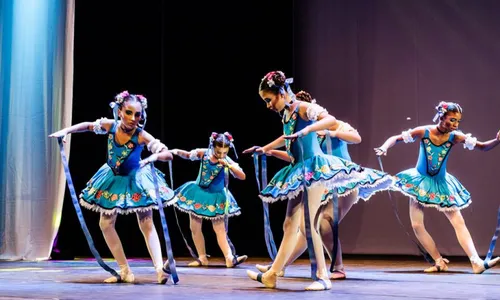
(36, 81)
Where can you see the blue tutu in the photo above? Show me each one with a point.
(429, 184)
(120, 186)
(207, 197)
(310, 166)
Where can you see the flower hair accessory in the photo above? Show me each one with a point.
(213, 136)
(143, 101)
(442, 108)
(121, 96)
(269, 79)
(229, 137)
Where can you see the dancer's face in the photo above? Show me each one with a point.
(220, 152)
(450, 121)
(131, 114)
(275, 102)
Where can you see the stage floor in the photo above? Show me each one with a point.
(367, 279)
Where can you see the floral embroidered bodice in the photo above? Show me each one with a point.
(310, 142)
(432, 158)
(210, 174)
(123, 159)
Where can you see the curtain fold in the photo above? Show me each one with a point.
(36, 83)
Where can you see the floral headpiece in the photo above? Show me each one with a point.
(442, 108)
(115, 105)
(230, 138)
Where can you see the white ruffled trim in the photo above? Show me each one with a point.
(121, 211)
(97, 128)
(407, 138)
(329, 184)
(390, 179)
(193, 155)
(470, 142)
(313, 111)
(218, 217)
(155, 146)
(441, 209)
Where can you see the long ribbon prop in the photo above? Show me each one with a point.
(190, 249)
(226, 215)
(493, 242)
(307, 218)
(168, 244)
(193, 254)
(335, 222)
(268, 233)
(78, 210)
(421, 249)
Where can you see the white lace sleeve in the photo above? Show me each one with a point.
(406, 135)
(96, 126)
(193, 155)
(345, 127)
(470, 142)
(155, 146)
(313, 111)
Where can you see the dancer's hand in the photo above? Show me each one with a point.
(224, 162)
(296, 135)
(61, 133)
(380, 151)
(253, 149)
(498, 135)
(150, 159)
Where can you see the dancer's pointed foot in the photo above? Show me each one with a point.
(479, 265)
(439, 266)
(268, 279)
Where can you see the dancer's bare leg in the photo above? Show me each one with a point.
(107, 225)
(465, 240)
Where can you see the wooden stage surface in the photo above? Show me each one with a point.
(367, 278)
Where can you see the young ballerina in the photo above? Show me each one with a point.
(124, 184)
(430, 185)
(310, 169)
(341, 134)
(208, 197)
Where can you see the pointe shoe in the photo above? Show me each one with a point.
(322, 284)
(439, 266)
(125, 276)
(479, 265)
(231, 263)
(338, 275)
(199, 262)
(162, 276)
(265, 268)
(268, 279)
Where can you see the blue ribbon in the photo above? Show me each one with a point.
(268, 233)
(307, 218)
(190, 249)
(78, 209)
(226, 215)
(168, 244)
(335, 222)
(493, 243)
(421, 249)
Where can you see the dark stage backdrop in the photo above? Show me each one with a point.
(200, 68)
(371, 63)
(376, 63)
